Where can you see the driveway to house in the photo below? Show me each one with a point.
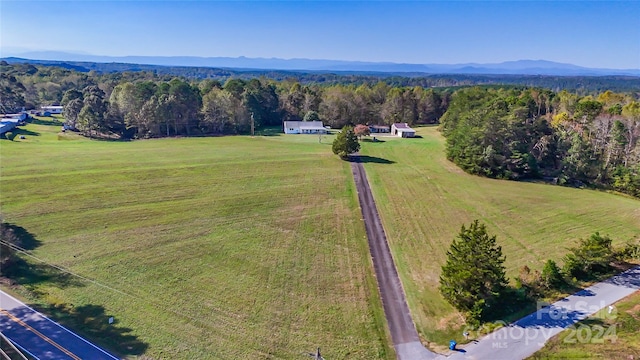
(529, 334)
(41, 337)
(403, 332)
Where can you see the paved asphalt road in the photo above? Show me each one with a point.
(529, 334)
(403, 332)
(41, 337)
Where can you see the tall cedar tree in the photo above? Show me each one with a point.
(345, 143)
(473, 278)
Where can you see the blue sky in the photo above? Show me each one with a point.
(603, 34)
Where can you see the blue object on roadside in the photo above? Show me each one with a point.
(452, 345)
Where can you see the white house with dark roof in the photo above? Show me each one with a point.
(402, 130)
(304, 127)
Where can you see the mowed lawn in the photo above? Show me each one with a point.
(424, 199)
(204, 248)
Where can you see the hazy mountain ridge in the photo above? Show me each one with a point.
(520, 67)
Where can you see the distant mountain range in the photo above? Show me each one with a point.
(520, 67)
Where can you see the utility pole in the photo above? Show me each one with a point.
(252, 126)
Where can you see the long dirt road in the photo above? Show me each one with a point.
(403, 332)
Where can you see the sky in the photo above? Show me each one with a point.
(600, 34)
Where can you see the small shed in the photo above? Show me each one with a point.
(402, 130)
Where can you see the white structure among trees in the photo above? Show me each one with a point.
(53, 109)
(402, 130)
(304, 127)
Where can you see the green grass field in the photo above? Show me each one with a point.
(240, 247)
(603, 336)
(219, 248)
(423, 200)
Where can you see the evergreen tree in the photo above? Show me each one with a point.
(551, 277)
(473, 277)
(593, 256)
(345, 143)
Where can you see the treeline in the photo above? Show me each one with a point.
(170, 108)
(44, 83)
(536, 133)
(29, 86)
(143, 104)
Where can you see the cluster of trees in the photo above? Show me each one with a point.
(34, 86)
(11, 91)
(177, 107)
(473, 278)
(593, 258)
(86, 110)
(145, 104)
(536, 133)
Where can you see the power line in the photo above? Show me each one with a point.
(26, 252)
(148, 301)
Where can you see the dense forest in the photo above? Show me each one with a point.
(501, 131)
(144, 104)
(536, 133)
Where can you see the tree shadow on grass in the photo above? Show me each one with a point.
(269, 132)
(91, 321)
(17, 132)
(50, 122)
(107, 139)
(23, 237)
(27, 273)
(369, 159)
